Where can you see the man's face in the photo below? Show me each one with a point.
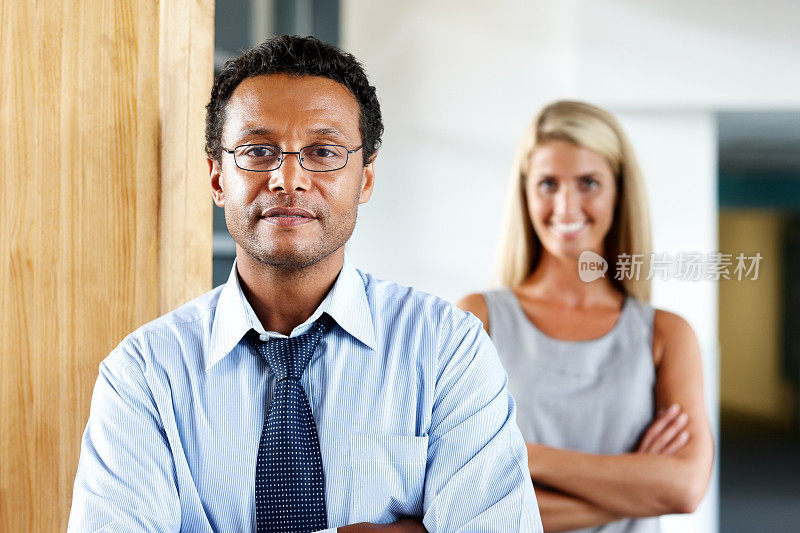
(290, 217)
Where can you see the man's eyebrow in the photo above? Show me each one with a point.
(255, 131)
(327, 131)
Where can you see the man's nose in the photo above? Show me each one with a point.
(290, 176)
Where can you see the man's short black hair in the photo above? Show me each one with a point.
(303, 56)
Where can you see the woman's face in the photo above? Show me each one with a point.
(571, 197)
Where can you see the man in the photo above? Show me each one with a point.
(303, 394)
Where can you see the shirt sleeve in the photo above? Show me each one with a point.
(477, 478)
(125, 479)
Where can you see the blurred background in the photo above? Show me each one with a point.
(709, 93)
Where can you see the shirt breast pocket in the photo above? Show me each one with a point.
(388, 477)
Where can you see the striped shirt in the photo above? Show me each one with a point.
(410, 401)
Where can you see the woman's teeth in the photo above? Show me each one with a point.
(572, 227)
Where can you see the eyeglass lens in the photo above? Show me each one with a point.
(317, 158)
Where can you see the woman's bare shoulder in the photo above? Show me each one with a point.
(670, 329)
(475, 303)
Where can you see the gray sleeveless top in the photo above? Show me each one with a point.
(592, 396)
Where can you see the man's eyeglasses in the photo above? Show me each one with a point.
(314, 158)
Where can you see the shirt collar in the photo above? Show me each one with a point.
(346, 303)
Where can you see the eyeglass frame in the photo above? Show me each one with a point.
(284, 153)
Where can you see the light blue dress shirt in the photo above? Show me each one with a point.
(408, 394)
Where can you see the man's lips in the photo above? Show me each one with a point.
(287, 217)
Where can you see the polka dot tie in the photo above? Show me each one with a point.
(290, 482)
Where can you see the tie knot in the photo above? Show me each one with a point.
(288, 358)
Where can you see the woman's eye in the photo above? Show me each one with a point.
(547, 185)
(589, 184)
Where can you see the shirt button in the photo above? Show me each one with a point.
(263, 337)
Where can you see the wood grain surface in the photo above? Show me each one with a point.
(105, 216)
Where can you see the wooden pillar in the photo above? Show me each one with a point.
(105, 214)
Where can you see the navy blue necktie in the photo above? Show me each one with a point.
(290, 482)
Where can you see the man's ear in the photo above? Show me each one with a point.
(367, 180)
(216, 182)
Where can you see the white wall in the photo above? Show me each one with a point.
(678, 155)
(458, 81)
(733, 54)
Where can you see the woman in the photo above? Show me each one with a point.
(609, 390)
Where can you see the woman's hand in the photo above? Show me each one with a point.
(667, 434)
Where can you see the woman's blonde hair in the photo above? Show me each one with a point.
(589, 127)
